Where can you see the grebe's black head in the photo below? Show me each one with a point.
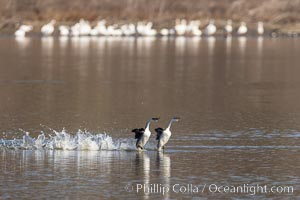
(155, 119)
(176, 119)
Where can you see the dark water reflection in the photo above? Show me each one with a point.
(105, 174)
(238, 99)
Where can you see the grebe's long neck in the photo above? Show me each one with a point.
(148, 125)
(169, 126)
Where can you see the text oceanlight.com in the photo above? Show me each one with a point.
(247, 189)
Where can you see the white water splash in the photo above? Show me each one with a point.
(82, 140)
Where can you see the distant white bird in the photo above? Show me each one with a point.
(164, 32)
(193, 28)
(101, 28)
(132, 29)
(260, 28)
(48, 29)
(228, 28)
(26, 28)
(75, 30)
(210, 28)
(145, 29)
(64, 30)
(113, 30)
(149, 26)
(84, 27)
(196, 32)
(23, 29)
(242, 30)
(180, 27)
(20, 33)
(150, 32)
(94, 32)
(163, 135)
(140, 28)
(192, 25)
(128, 29)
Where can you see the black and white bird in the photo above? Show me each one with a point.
(143, 134)
(163, 135)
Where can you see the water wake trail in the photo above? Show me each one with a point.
(82, 140)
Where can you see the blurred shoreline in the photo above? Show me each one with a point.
(282, 17)
(289, 29)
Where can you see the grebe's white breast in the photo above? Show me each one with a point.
(164, 138)
(145, 137)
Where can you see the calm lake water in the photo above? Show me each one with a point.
(238, 99)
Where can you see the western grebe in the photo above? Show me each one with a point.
(23, 29)
(180, 27)
(260, 28)
(242, 30)
(210, 28)
(142, 135)
(163, 136)
(48, 29)
(64, 30)
(228, 27)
